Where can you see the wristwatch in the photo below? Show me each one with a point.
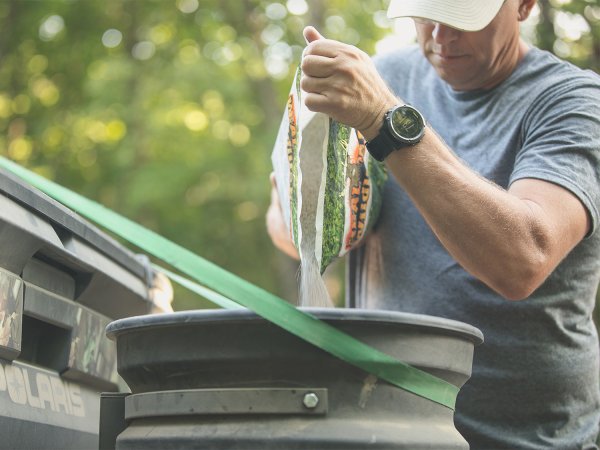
(403, 126)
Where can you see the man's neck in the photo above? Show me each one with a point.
(514, 60)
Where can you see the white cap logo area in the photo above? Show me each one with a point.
(466, 15)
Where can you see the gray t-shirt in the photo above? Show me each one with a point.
(535, 381)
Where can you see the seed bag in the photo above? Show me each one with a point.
(329, 186)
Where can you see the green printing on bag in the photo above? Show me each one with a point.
(334, 215)
(353, 192)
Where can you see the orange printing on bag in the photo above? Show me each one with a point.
(292, 130)
(357, 155)
(292, 145)
(359, 193)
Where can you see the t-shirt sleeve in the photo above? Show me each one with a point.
(561, 141)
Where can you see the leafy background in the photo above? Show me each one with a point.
(166, 111)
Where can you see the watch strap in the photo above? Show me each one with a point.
(382, 145)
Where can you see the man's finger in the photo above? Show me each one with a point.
(324, 47)
(317, 66)
(311, 34)
(314, 85)
(317, 102)
(275, 198)
(274, 193)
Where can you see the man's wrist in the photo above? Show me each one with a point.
(372, 131)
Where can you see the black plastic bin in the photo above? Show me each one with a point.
(61, 282)
(230, 380)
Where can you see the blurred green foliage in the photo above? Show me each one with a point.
(166, 111)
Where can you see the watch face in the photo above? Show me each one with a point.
(407, 123)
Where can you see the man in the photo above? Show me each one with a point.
(491, 214)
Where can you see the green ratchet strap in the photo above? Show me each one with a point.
(208, 294)
(263, 303)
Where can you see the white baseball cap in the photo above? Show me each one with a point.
(466, 15)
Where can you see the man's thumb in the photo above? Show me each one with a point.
(311, 34)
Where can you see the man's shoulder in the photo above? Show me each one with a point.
(407, 51)
(392, 60)
(401, 65)
(546, 84)
(552, 72)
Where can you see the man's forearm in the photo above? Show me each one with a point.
(504, 239)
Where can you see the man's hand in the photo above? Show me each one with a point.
(341, 81)
(276, 227)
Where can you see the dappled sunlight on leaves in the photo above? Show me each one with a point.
(166, 111)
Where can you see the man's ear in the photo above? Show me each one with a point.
(525, 7)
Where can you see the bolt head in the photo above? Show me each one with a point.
(310, 400)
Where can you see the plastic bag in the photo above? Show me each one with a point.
(330, 190)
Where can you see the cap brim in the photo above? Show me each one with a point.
(466, 15)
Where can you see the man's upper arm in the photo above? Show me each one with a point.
(558, 165)
(560, 212)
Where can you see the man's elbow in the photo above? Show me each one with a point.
(522, 279)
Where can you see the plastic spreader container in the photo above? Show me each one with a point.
(61, 282)
(230, 380)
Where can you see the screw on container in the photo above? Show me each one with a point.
(310, 400)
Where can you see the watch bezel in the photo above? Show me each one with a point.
(396, 134)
